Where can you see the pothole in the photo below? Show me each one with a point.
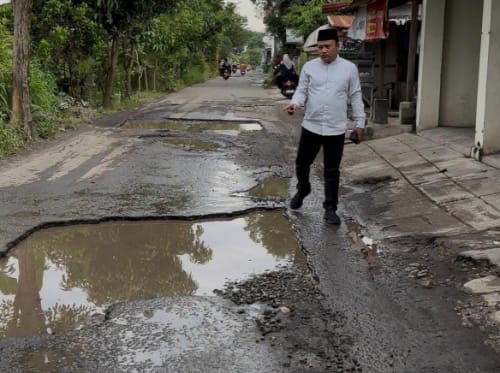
(192, 144)
(58, 277)
(226, 127)
(271, 187)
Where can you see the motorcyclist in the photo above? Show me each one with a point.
(285, 71)
(224, 65)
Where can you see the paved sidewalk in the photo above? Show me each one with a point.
(425, 187)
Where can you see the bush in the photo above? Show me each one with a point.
(46, 128)
(42, 88)
(11, 139)
(196, 74)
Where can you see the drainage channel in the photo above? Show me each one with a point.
(58, 277)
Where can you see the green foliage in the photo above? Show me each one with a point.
(255, 40)
(5, 72)
(252, 56)
(68, 43)
(163, 45)
(11, 139)
(42, 87)
(305, 18)
(301, 15)
(46, 128)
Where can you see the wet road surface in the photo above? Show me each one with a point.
(122, 231)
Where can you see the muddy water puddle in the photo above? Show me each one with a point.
(192, 144)
(225, 127)
(58, 277)
(269, 187)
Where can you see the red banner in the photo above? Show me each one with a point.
(375, 20)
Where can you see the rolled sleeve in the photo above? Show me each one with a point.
(356, 99)
(300, 95)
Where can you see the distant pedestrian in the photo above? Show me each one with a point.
(326, 85)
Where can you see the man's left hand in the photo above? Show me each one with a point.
(360, 132)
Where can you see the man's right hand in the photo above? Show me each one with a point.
(290, 108)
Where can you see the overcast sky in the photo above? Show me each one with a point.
(245, 7)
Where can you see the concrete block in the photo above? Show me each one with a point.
(476, 213)
(415, 141)
(487, 187)
(464, 167)
(421, 173)
(407, 112)
(380, 111)
(444, 191)
(440, 154)
(493, 199)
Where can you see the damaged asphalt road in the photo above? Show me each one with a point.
(219, 152)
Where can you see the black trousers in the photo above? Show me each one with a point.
(309, 146)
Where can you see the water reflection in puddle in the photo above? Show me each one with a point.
(270, 187)
(192, 144)
(60, 276)
(225, 127)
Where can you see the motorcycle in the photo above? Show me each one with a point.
(288, 88)
(225, 73)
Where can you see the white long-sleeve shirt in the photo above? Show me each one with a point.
(325, 90)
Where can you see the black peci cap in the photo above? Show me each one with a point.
(328, 34)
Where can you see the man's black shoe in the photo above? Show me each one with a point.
(331, 217)
(297, 199)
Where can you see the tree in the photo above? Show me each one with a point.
(68, 42)
(301, 15)
(255, 40)
(119, 19)
(21, 101)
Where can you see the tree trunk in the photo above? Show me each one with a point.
(112, 64)
(21, 101)
(146, 82)
(139, 79)
(154, 75)
(128, 68)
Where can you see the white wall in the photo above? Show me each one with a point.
(429, 75)
(461, 47)
(488, 100)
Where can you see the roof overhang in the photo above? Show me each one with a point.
(346, 7)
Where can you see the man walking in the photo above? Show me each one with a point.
(326, 85)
